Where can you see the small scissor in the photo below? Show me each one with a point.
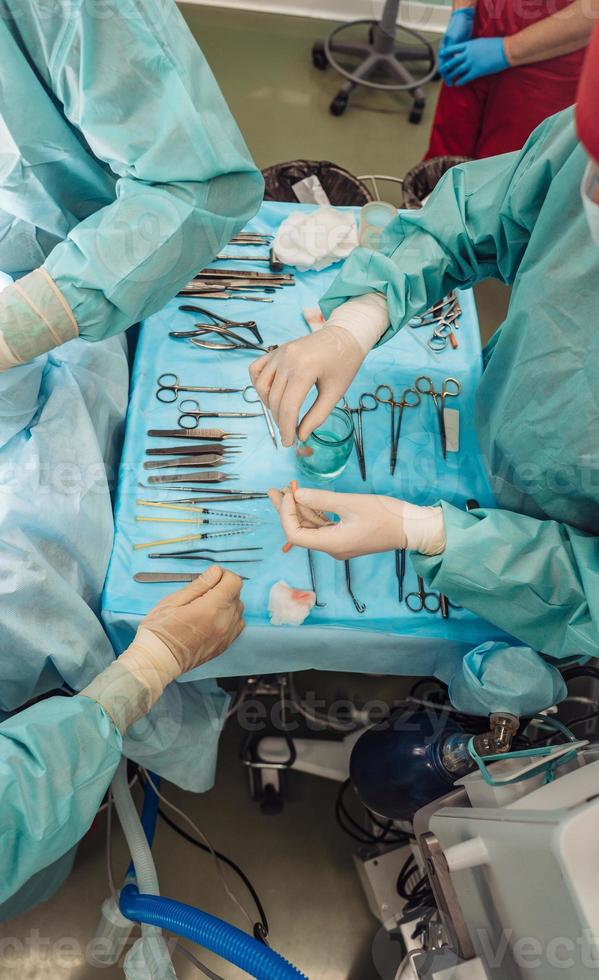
(450, 389)
(190, 409)
(409, 399)
(423, 601)
(265, 411)
(169, 387)
(366, 403)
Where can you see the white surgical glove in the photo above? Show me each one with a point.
(329, 359)
(190, 627)
(34, 318)
(368, 523)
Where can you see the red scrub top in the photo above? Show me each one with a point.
(497, 113)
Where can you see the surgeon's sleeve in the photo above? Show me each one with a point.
(537, 580)
(476, 225)
(57, 760)
(132, 81)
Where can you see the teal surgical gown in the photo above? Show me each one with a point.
(57, 760)
(122, 172)
(530, 566)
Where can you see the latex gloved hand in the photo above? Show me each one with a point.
(329, 359)
(368, 523)
(459, 28)
(462, 63)
(186, 629)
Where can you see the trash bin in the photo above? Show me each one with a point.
(340, 186)
(422, 179)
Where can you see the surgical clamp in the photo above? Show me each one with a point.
(409, 399)
(450, 389)
(196, 414)
(237, 341)
(169, 385)
(363, 406)
(250, 325)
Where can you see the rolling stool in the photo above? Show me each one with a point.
(380, 55)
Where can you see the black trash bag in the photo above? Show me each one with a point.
(422, 179)
(341, 187)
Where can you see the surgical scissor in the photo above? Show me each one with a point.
(444, 332)
(450, 389)
(366, 403)
(409, 399)
(270, 425)
(214, 318)
(423, 601)
(190, 409)
(169, 387)
(237, 342)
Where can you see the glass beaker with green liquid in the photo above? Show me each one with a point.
(325, 453)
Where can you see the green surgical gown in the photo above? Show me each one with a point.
(530, 566)
(122, 171)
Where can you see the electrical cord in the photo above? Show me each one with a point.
(357, 831)
(261, 928)
(206, 843)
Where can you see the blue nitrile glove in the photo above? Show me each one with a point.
(459, 28)
(460, 64)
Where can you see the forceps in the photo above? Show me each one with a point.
(265, 411)
(423, 601)
(169, 387)
(450, 389)
(409, 399)
(190, 409)
(366, 403)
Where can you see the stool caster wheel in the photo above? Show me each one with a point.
(319, 58)
(415, 116)
(272, 802)
(339, 104)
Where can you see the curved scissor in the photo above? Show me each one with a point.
(190, 409)
(169, 387)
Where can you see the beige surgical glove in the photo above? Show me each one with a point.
(187, 629)
(34, 318)
(329, 359)
(368, 523)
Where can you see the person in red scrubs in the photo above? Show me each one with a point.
(507, 66)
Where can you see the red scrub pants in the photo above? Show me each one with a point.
(497, 113)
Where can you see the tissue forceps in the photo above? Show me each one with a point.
(190, 409)
(450, 389)
(270, 425)
(169, 385)
(409, 399)
(366, 403)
